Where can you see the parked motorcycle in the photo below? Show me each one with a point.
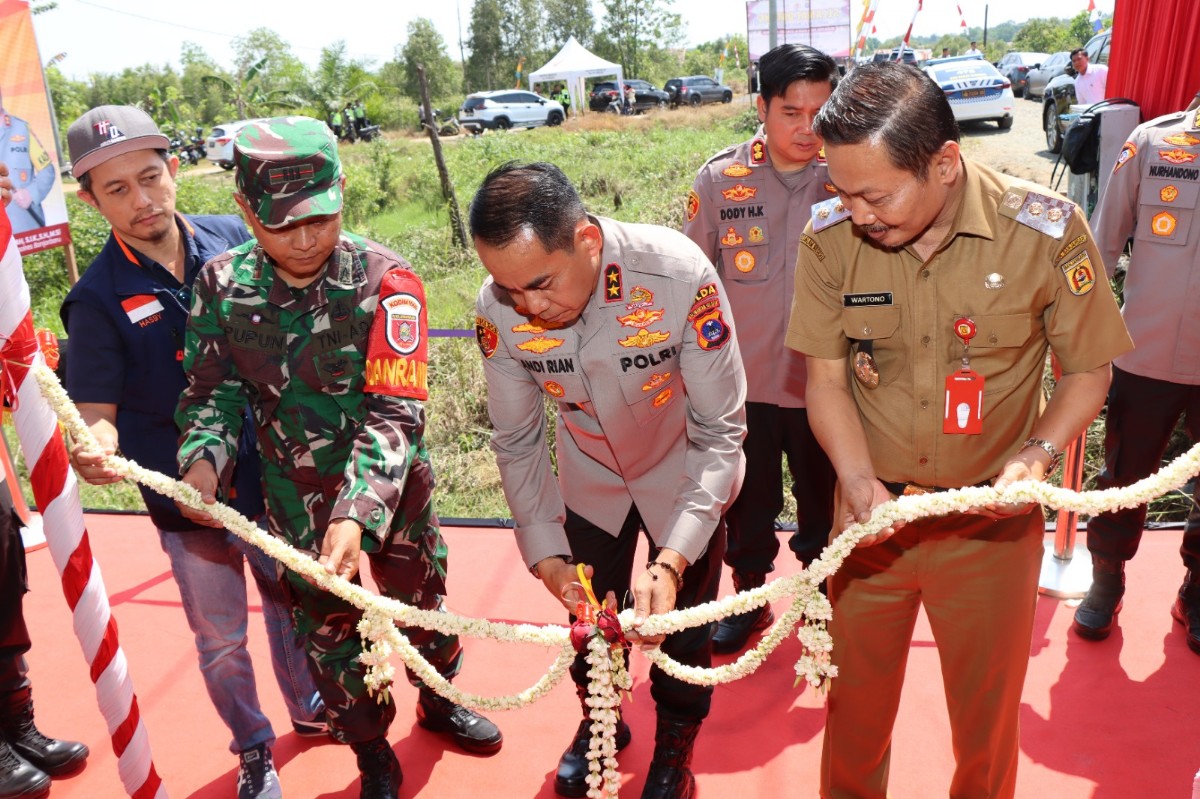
(446, 126)
(189, 149)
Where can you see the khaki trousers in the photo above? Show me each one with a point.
(977, 579)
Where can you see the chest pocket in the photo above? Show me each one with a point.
(996, 345)
(258, 345)
(559, 377)
(743, 250)
(880, 325)
(1166, 210)
(339, 362)
(650, 388)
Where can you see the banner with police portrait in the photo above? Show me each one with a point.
(28, 146)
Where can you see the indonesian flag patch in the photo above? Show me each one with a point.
(397, 351)
(141, 306)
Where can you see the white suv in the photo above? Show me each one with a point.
(219, 146)
(508, 108)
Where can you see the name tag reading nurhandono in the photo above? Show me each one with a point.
(860, 300)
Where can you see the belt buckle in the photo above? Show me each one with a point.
(915, 490)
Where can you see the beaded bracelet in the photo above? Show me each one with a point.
(670, 569)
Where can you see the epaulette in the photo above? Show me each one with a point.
(1048, 215)
(828, 212)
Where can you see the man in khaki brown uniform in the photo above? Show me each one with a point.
(922, 251)
(747, 210)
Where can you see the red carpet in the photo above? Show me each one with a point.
(1114, 720)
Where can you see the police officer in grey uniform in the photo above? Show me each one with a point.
(747, 210)
(626, 329)
(31, 170)
(1152, 195)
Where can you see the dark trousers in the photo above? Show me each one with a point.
(14, 635)
(612, 560)
(771, 433)
(1142, 413)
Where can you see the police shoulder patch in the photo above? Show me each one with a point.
(487, 335)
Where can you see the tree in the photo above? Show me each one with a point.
(1043, 36)
(631, 28)
(485, 65)
(426, 47)
(567, 18)
(247, 93)
(521, 32)
(277, 68)
(338, 80)
(1080, 30)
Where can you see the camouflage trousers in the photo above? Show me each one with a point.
(410, 567)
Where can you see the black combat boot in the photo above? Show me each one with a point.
(379, 769)
(56, 758)
(669, 776)
(20, 779)
(571, 777)
(1186, 609)
(1096, 615)
(734, 631)
(468, 729)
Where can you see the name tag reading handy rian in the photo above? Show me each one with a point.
(860, 300)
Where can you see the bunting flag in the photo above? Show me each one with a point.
(908, 33)
(57, 494)
(962, 20)
(868, 19)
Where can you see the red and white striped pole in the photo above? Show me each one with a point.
(57, 494)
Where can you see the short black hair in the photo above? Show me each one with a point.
(892, 105)
(1078, 51)
(518, 196)
(85, 180)
(784, 65)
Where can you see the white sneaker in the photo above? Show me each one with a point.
(256, 775)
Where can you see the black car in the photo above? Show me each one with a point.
(646, 96)
(1060, 93)
(908, 56)
(697, 89)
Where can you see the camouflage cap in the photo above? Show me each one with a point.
(288, 169)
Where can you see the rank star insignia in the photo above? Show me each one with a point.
(1177, 156)
(736, 170)
(645, 338)
(613, 291)
(540, 344)
(739, 193)
(641, 317)
(758, 151)
(731, 238)
(693, 204)
(1182, 140)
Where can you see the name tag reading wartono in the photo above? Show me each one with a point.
(397, 350)
(864, 300)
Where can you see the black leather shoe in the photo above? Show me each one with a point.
(734, 631)
(1096, 615)
(669, 776)
(470, 731)
(378, 768)
(20, 779)
(54, 757)
(571, 777)
(1186, 611)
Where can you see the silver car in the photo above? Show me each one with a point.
(1041, 74)
(508, 108)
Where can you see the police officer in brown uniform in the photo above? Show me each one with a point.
(747, 210)
(625, 329)
(926, 303)
(1152, 195)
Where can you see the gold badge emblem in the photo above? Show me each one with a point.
(1054, 214)
(744, 261)
(1080, 275)
(656, 380)
(739, 193)
(540, 344)
(1168, 194)
(756, 234)
(693, 204)
(640, 297)
(994, 281)
(645, 338)
(731, 238)
(661, 398)
(1177, 156)
(1012, 201)
(865, 369)
(554, 389)
(1163, 224)
(1035, 209)
(641, 317)
(1182, 139)
(736, 170)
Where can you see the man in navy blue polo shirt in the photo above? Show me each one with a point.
(125, 322)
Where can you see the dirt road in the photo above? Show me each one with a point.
(1019, 151)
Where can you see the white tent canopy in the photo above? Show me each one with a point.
(572, 65)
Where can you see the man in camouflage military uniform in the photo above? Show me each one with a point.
(747, 211)
(31, 170)
(285, 319)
